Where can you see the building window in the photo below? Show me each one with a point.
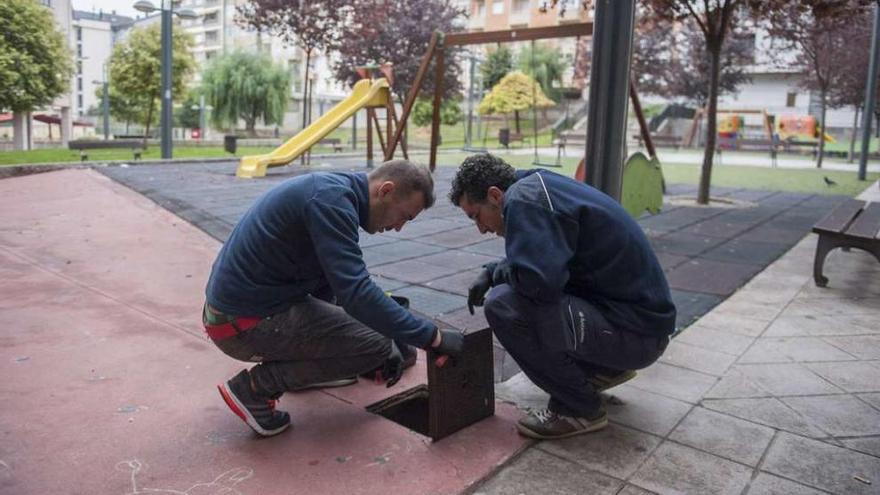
(210, 54)
(79, 101)
(79, 67)
(790, 99)
(79, 84)
(79, 51)
(520, 6)
(79, 34)
(211, 18)
(497, 7)
(480, 9)
(47, 3)
(211, 37)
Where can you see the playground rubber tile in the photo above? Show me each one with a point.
(711, 277)
(493, 246)
(691, 305)
(456, 284)
(717, 227)
(778, 232)
(413, 271)
(433, 303)
(457, 259)
(669, 261)
(114, 285)
(456, 238)
(396, 251)
(738, 251)
(685, 244)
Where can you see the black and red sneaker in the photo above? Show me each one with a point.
(257, 411)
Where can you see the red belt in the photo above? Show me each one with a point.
(231, 328)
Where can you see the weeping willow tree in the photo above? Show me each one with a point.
(246, 86)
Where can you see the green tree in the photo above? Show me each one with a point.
(514, 93)
(188, 113)
(246, 86)
(423, 110)
(125, 108)
(136, 70)
(35, 63)
(545, 64)
(498, 64)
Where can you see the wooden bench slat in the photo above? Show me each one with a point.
(867, 223)
(839, 219)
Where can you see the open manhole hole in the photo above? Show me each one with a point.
(458, 394)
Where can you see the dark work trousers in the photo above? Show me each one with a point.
(313, 341)
(559, 345)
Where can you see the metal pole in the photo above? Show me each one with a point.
(166, 120)
(470, 117)
(609, 87)
(870, 94)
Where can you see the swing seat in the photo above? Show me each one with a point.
(642, 184)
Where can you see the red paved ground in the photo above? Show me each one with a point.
(109, 385)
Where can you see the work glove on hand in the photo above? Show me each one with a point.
(451, 343)
(392, 370)
(478, 289)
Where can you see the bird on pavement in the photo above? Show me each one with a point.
(829, 182)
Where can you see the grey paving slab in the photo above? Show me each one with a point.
(726, 320)
(616, 450)
(676, 469)
(715, 340)
(366, 240)
(873, 399)
(827, 467)
(521, 391)
(868, 445)
(862, 346)
(821, 325)
(767, 484)
(388, 284)
(462, 319)
(674, 382)
(644, 410)
(839, 415)
(786, 379)
(792, 349)
(633, 490)
(712, 277)
(431, 302)
(735, 384)
(856, 376)
(723, 435)
(423, 226)
(769, 411)
(536, 471)
(413, 271)
(835, 306)
(696, 358)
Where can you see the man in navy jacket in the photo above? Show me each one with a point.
(289, 289)
(580, 301)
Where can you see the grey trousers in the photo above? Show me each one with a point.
(558, 346)
(313, 341)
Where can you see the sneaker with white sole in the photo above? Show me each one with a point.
(545, 424)
(257, 411)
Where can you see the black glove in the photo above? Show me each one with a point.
(451, 343)
(478, 289)
(392, 370)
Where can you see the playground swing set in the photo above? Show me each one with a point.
(642, 176)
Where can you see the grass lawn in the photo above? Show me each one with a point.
(775, 179)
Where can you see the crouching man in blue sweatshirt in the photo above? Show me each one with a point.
(580, 300)
(289, 290)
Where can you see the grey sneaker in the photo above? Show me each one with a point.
(342, 382)
(257, 411)
(548, 425)
(603, 381)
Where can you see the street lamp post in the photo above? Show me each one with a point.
(167, 8)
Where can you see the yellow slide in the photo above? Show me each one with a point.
(366, 93)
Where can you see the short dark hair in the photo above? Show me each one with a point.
(477, 174)
(408, 177)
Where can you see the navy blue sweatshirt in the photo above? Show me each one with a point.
(565, 237)
(299, 239)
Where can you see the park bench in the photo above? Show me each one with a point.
(136, 146)
(853, 224)
(660, 140)
(336, 143)
(791, 144)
